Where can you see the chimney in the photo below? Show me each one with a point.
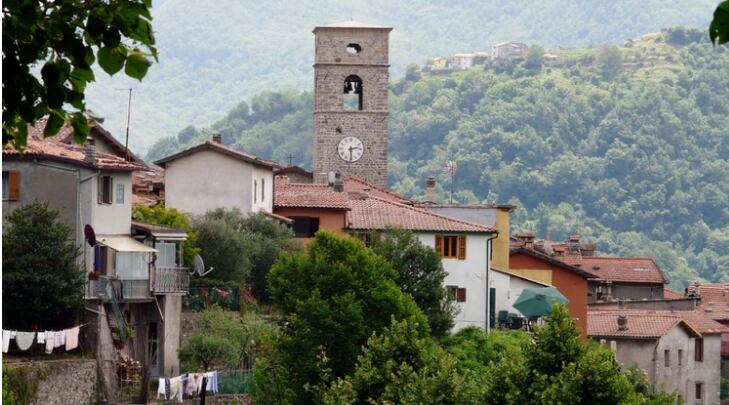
(622, 322)
(525, 239)
(90, 153)
(430, 189)
(217, 138)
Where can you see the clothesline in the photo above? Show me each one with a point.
(186, 384)
(51, 339)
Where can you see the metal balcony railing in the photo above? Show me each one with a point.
(123, 289)
(171, 280)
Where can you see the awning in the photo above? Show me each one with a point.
(160, 232)
(124, 244)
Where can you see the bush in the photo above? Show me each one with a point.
(42, 281)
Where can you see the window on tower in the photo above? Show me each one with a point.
(352, 93)
(353, 49)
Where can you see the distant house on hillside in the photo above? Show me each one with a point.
(508, 49)
(462, 61)
(438, 64)
(213, 175)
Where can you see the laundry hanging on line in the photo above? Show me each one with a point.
(67, 338)
(189, 384)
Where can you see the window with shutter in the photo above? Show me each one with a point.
(6, 185)
(439, 244)
(699, 349)
(452, 291)
(105, 190)
(461, 295)
(448, 246)
(462, 247)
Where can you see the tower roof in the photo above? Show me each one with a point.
(353, 24)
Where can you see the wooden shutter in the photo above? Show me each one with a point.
(461, 295)
(109, 191)
(14, 185)
(462, 247)
(100, 189)
(439, 244)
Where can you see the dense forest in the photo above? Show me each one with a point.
(628, 146)
(213, 55)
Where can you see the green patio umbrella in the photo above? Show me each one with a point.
(538, 301)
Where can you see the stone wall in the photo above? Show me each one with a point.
(60, 382)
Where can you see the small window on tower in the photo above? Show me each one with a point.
(354, 49)
(352, 93)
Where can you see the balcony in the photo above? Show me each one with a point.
(171, 280)
(125, 289)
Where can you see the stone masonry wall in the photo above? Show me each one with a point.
(61, 382)
(331, 122)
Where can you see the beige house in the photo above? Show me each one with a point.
(509, 49)
(213, 175)
(678, 351)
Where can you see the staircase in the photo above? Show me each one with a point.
(108, 290)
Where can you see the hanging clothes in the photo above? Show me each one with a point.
(71, 336)
(7, 335)
(161, 388)
(212, 385)
(192, 387)
(41, 338)
(60, 339)
(50, 341)
(176, 389)
(168, 389)
(24, 340)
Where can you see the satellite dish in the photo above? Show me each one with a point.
(90, 235)
(200, 267)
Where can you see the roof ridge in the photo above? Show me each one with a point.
(379, 188)
(424, 211)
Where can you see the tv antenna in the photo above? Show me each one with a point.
(200, 267)
(290, 157)
(129, 116)
(449, 169)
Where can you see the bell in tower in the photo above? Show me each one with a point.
(351, 71)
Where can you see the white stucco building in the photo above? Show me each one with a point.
(506, 288)
(212, 175)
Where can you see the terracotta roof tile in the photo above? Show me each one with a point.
(647, 324)
(52, 149)
(307, 195)
(714, 299)
(625, 269)
(372, 212)
(356, 184)
(671, 294)
(227, 150)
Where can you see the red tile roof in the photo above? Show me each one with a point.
(714, 299)
(624, 269)
(646, 324)
(66, 135)
(671, 294)
(355, 184)
(370, 212)
(224, 149)
(52, 149)
(307, 195)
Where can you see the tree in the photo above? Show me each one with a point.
(610, 59)
(228, 340)
(241, 247)
(160, 215)
(331, 298)
(475, 349)
(719, 28)
(534, 58)
(65, 38)
(42, 280)
(204, 351)
(399, 366)
(420, 273)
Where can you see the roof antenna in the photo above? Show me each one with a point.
(129, 116)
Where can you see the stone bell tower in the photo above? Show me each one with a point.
(350, 101)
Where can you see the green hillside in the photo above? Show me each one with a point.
(214, 54)
(628, 147)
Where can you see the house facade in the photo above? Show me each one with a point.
(128, 310)
(678, 351)
(464, 246)
(508, 49)
(505, 288)
(200, 179)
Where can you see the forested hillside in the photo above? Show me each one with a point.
(214, 54)
(628, 147)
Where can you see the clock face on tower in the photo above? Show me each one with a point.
(350, 149)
